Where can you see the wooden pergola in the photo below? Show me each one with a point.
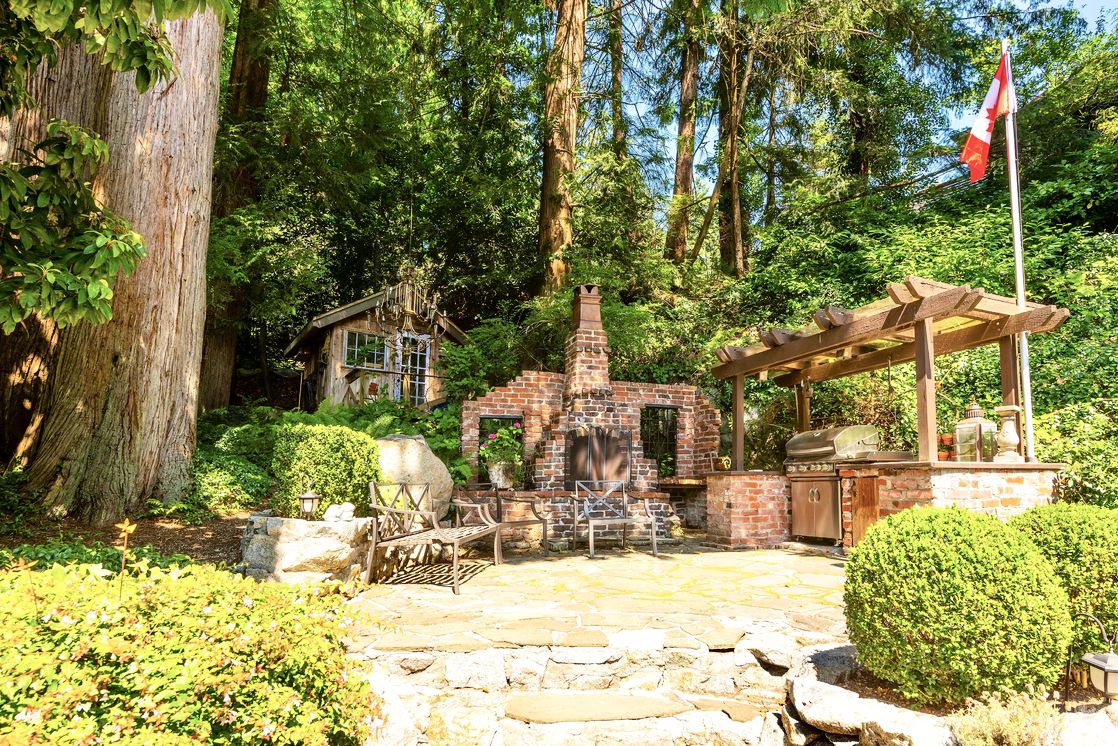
(920, 319)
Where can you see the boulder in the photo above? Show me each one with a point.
(1088, 729)
(831, 708)
(796, 732)
(771, 732)
(893, 726)
(407, 459)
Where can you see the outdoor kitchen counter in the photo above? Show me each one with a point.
(872, 490)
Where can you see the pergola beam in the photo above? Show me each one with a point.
(1034, 320)
(952, 302)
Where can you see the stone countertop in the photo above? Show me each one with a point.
(950, 465)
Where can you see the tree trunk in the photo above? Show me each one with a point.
(246, 103)
(119, 427)
(73, 89)
(561, 108)
(616, 98)
(679, 214)
(768, 214)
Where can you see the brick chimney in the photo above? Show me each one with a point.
(587, 352)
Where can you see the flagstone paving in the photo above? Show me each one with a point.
(687, 647)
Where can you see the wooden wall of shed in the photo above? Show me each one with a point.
(333, 383)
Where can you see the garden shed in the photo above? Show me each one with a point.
(385, 345)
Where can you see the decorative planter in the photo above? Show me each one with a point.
(502, 474)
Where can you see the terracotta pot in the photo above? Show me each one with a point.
(946, 455)
(947, 439)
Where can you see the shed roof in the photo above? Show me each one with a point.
(404, 298)
(841, 342)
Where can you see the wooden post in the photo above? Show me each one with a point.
(926, 391)
(803, 406)
(737, 460)
(1011, 380)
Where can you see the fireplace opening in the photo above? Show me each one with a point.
(598, 454)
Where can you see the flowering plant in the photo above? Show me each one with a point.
(504, 446)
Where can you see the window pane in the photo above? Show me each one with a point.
(659, 427)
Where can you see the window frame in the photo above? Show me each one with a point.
(357, 333)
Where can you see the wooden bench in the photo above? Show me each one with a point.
(396, 526)
(609, 504)
(483, 493)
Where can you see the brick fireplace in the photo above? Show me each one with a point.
(579, 424)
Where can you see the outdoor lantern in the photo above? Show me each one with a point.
(308, 502)
(975, 436)
(1104, 672)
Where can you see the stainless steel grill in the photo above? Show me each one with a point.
(811, 468)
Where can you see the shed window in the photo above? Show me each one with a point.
(659, 429)
(365, 351)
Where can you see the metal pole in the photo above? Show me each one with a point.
(1018, 260)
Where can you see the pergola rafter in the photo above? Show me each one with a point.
(920, 319)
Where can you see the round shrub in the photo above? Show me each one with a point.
(1079, 542)
(335, 461)
(189, 655)
(948, 604)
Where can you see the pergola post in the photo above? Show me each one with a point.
(925, 391)
(803, 406)
(1011, 380)
(737, 460)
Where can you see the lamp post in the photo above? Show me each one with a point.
(308, 503)
(1103, 666)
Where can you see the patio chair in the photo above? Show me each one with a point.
(397, 522)
(489, 494)
(608, 503)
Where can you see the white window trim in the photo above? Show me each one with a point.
(345, 347)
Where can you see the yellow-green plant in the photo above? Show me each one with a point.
(1021, 719)
(186, 655)
(335, 461)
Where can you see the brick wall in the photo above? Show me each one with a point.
(748, 509)
(999, 490)
(558, 508)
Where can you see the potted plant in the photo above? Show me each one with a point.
(503, 453)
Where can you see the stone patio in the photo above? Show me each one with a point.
(687, 647)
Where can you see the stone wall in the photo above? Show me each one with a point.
(748, 509)
(293, 550)
(1001, 490)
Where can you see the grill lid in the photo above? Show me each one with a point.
(851, 441)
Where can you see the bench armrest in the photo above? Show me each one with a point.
(532, 502)
(480, 509)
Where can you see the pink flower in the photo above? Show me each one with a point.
(492, 436)
(516, 424)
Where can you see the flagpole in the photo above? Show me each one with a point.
(1019, 261)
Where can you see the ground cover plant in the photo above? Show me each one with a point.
(181, 655)
(1078, 540)
(948, 604)
(1021, 719)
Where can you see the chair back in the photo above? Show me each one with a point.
(396, 508)
(601, 497)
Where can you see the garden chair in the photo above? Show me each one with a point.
(397, 522)
(491, 495)
(608, 503)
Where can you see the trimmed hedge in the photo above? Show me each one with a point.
(948, 604)
(188, 655)
(1079, 542)
(335, 461)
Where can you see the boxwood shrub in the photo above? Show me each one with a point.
(187, 655)
(948, 604)
(335, 461)
(1079, 542)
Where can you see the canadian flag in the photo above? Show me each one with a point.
(1000, 99)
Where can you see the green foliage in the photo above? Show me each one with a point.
(1021, 719)
(65, 552)
(1085, 437)
(17, 510)
(490, 357)
(948, 604)
(504, 446)
(60, 252)
(337, 462)
(1079, 542)
(181, 656)
(224, 484)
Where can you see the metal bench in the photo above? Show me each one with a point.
(601, 503)
(395, 526)
(466, 505)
